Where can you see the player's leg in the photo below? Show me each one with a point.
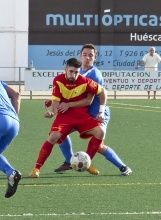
(109, 153)
(97, 136)
(45, 152)
(112, 157)
(94, 144)
(91, 128)
(59, 130)
(9, 128)
(67, 151)
(93, 147)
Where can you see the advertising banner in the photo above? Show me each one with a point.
(122, 31)
(41, 80)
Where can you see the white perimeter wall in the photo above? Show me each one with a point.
(13, 38)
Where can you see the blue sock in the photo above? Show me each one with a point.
(66, 149)
(111, 156)
(5, 167)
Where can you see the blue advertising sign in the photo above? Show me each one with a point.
(121, 32)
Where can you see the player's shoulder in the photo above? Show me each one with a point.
(83, 78)
(96, 75)
(95, 71)
(59, 77)
(3, 84)
(62, 75)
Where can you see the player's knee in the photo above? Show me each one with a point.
(102, 149)
(99, 132)
(54, 137)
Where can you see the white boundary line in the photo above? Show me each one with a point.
(88, 184)
(113, 103)
(82, 214)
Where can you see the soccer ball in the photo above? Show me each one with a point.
(80, 161)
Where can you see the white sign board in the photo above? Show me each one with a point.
(132, 80)
(41, 80)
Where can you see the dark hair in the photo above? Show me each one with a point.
(89, 46)
(75, 62)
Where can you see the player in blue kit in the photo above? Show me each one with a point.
(9, 127)
(88, 56)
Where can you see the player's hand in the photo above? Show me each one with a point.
(100, 117)
(47, 103)
(63, 107)
(49, 114)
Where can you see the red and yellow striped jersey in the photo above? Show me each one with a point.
(65, 91)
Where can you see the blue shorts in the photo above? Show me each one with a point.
(9, 128)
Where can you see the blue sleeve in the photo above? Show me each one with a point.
(4, 84)
(96, 76)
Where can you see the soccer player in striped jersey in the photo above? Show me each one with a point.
(71, 87)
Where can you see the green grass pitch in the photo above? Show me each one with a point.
(134, 132)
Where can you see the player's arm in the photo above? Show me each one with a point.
(53, 111)
(103, 100)
(47, 103)
(56, 97)
(103, 96)
(63, 107)
(15, 98)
